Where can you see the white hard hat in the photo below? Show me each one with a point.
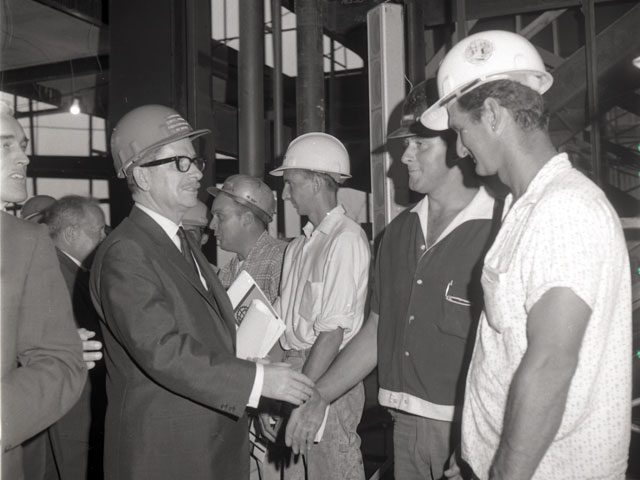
(318, 152)
(480, 58)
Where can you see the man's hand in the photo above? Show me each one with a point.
(304, 423)
(90, 348)
(454, 469)
(283, 383)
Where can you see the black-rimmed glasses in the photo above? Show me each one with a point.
(183, 163)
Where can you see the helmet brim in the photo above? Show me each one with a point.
(192, 135)
(265, 216)
(414, 130)
(278, 172)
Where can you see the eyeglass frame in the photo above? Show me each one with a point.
(177, 158)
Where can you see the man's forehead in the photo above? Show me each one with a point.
(180, 147)
(9, 127)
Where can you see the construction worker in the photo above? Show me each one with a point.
(322, 298)
(195, 222)
(242, 211)
(177, 393)
(425, 303)
(549, 386)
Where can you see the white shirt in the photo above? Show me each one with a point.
(171, 229)
(561, 233)
(324, 281)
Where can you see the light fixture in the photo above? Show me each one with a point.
(636, 62)
(74, 109)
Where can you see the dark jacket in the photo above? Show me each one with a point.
(176, 392)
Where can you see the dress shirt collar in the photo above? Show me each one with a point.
(480, 207)
(74, 260)
(328, 222)
(170, 228)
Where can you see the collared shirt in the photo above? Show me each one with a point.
(324, 281)
(74, 260)
(263, 263)
(561, 233)
(428, 301)
(171, 229)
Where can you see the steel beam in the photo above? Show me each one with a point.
(441, 12)
(616, 45)
(310, 82)
(251, 88)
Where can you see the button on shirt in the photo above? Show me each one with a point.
(171, 229)
(561, 233)
(324, 281)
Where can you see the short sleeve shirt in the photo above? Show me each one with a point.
(561, 233)
(324, 281)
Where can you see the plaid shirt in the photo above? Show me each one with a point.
(264, 264)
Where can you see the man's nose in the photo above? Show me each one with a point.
(286, 194)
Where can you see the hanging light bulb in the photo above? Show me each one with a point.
(74, 109)
(636, 62)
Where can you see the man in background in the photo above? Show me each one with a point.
(77, 226)
(322, 297)
(196, 222)
(242, 211)
(42, 369)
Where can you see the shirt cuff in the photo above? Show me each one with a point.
(256, 391)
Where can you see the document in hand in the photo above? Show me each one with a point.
(258, 332)
(259, 326)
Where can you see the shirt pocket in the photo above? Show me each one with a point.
(457, 313)
(311, 301)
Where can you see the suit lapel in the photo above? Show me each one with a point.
(169, 251)
(215, 288)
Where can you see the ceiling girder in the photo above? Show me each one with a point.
(616, 44)
(54, 71)
(441, 12)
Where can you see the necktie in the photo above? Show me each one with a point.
(186, 250)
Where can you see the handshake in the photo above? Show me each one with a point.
(281, 382)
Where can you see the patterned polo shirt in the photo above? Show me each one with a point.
(264, 264)
(561, 233)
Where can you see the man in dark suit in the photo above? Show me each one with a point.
(77, 226)
(41, 366)
(176, 392)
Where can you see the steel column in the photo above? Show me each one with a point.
(310, 82)
(415, 41)
(592, 88)
(251, 88)
(278, 104)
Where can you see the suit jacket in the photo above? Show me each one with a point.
(42, 368)
(77, 438)
(176, 392)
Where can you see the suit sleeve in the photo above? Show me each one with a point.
(51, 373)
(153, 324)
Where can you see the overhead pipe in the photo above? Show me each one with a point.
(278, 101)
(251, 149)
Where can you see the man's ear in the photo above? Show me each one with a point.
(317, 182)
(69, 234)
(494, 115)
(141, 178)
